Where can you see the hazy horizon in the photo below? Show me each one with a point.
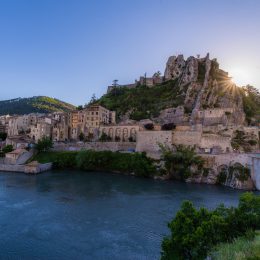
(72, 49)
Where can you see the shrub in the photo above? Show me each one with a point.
(3, 136)
(44, 144)
(195, 232)
(7, 149)
(180, 160)
(105, 138)
(115, 161)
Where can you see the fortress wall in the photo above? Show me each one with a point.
(148, 141)
(96, 146)
(213, 140)
(187, 137)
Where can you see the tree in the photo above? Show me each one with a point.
(195, 232)
(44, 144)
(8, 148)
(81, 136)
(105, 138)
(179, 161)
(80, 107)
(3, 136)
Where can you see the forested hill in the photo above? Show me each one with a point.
(37, 104)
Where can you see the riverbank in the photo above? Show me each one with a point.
(137, 164)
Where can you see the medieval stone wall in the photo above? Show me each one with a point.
(148, 141)
(188, 137)
(213, 140)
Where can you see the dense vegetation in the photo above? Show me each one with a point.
(44, 144)
(242, 248)
(237, 170)
(241, 141)
(90, 160)
(194, 232)
(181, 162)
(39, 104)
(143, 102)
(7, 149)
(251, 103)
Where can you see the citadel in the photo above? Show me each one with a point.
(211, 119)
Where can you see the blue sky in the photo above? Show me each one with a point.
(70, 49)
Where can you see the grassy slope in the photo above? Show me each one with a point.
(144, 102)
(240, 249)
(40, 104)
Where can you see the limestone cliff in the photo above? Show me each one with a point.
(196, 84)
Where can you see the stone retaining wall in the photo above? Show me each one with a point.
(97, 146)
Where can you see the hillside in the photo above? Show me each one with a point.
(195, 84)
(38, 104)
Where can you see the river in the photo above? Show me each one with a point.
(85, 215)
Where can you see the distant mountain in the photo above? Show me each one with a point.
(37, 104)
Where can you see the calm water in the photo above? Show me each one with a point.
(79, 215)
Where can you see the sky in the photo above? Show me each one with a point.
(71, 49)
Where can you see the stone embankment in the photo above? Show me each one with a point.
(31, 168)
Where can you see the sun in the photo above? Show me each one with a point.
(241, 77)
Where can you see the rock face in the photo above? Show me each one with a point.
(205, 86)
(174, 67)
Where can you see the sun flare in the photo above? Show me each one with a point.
(241, 77)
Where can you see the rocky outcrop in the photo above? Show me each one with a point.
(174, 67)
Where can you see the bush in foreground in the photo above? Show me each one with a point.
(243, 248)
(195, 232)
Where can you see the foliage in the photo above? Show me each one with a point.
(7, 149)
(104, 160)
(81, 136)
(92, 101)
(237, 170)
(143, 102)
(115, 161)
(242, 248)
(79, 108)
(44, 144)
(105, 138)
(180, 160)
(3, 136)
(251, 103)
(240, 141)
(241, 172)
(195, 232)
(38, 104)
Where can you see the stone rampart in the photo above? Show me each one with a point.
(148, 141)
(188, 137)
(214, 140)
(96, 146)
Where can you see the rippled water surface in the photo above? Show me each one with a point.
(79, 215)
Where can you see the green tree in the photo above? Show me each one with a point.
(179, 161)
(3, 136)
(7, 149)
(81, 136)
(195, 232)
(44, 144)
(105, 138)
